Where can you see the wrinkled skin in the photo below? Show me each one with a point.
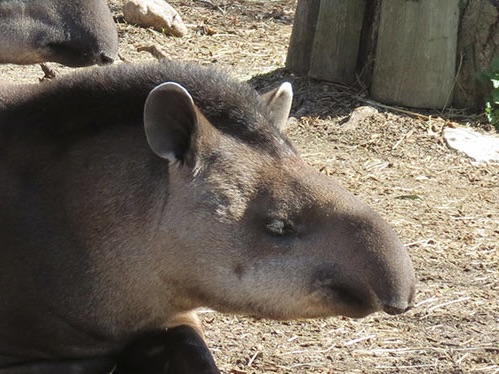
(124, 209)
(73, 33)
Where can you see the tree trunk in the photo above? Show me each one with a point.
(478, 43)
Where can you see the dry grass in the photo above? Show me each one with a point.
(445, 209)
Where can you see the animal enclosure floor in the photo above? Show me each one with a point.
(445, 208)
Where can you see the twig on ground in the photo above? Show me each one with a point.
(448, 303)
(389, 107)
(153, 50)
(214, 6)
(354, 341)
(49, 72)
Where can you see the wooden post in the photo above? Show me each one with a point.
(302, 36)
(325, 39)
(336, 42)
(416, 53)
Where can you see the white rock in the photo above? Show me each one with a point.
(480, 147)
(155, 13)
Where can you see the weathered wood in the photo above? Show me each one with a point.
(416, 53)
(419, 53)
(368, 42)
(302, 36)
(336, 41)
(478, 43)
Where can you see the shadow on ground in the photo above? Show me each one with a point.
(312, 97)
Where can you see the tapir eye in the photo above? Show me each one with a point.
(279, 227)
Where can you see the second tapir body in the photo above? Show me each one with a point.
(118, 219)
(74, 33)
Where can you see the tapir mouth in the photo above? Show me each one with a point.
(345, 297)
(74, 54)
(352, 302)
(360, 302)
(355, 297)
(349, 296)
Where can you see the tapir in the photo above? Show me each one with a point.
(74, 33)
(131, 195)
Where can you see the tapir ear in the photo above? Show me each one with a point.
(169, 120)
(279, 102)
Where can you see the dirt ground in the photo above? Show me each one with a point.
(445, 208)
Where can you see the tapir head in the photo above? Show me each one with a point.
(255, 230)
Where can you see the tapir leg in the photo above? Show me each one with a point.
(178, 350)
(88, 366)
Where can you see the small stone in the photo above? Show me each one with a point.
(359, 115)
(155, 13)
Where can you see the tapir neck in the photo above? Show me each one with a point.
(106, 193)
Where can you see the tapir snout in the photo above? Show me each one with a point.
(363, 267)
(371, 273)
